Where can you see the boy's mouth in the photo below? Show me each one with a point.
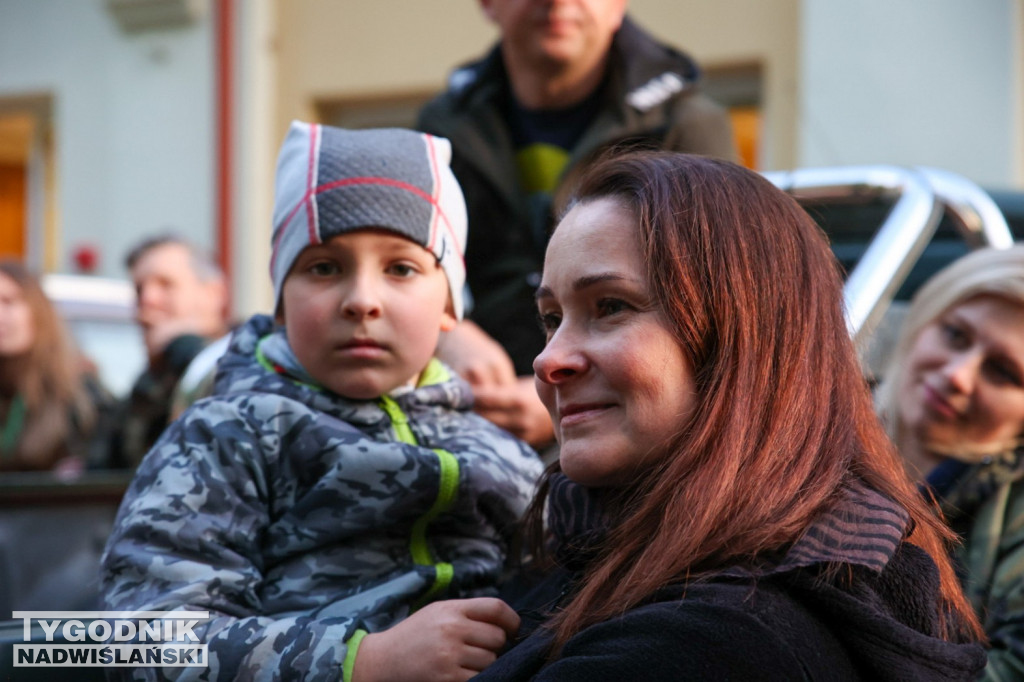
(353, 344)
(363, 350)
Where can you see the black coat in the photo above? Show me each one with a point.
(877, 619)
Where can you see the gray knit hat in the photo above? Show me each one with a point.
(331, 181)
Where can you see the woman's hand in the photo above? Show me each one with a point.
(444, 641)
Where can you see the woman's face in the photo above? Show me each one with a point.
(616, 382)
(963, 389)
(17, 331)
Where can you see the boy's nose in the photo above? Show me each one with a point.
(361, 301)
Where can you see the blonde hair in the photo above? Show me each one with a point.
(985, 272)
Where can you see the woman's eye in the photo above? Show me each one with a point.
(549, 322)
(1004, 373)
(611, 306)
(954, 335)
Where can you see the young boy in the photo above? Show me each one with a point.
(336, 481)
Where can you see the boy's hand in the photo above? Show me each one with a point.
(444, 641)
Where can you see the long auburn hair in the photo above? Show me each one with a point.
(48, 378)
(784, 418)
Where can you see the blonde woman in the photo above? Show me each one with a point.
(952, 399)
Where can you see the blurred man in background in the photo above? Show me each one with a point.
(568, 80)
(182, 300)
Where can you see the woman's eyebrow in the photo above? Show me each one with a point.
(587, 281)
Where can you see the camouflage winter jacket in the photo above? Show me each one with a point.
(301, 520)
(984, 504)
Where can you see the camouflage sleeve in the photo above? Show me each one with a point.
(188, 536)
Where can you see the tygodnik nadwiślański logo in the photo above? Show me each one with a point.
(126, 639)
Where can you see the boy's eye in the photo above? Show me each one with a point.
(401, 269)
(324, 269)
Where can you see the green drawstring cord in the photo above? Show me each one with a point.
(12, 425)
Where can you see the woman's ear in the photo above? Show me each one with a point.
(448, 321)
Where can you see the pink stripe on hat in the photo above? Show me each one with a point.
(314, 139)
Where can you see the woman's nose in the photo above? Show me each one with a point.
(562, 358)
(361, 300)
(962, 370)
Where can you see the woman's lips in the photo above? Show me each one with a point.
(571, 415)
(938, 404)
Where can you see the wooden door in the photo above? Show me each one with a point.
(12, 211)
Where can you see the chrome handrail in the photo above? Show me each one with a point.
(920, 196)
(974, 212)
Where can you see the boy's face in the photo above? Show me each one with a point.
(363, 311)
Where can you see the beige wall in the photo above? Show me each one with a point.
(1018, 61)
(330, 49)
(364, 48)
(721, 33)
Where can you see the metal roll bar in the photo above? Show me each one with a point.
(920, 196)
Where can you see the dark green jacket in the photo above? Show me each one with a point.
(985, 506)
(651, 99)
(146, 412)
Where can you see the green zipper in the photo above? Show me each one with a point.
(447, 490)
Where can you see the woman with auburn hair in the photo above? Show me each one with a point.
(49, 404)
(726, 505)
(952, 399)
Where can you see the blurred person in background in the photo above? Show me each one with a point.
(182, 300)
(568, 79)
(54, 414)
(952, 399)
